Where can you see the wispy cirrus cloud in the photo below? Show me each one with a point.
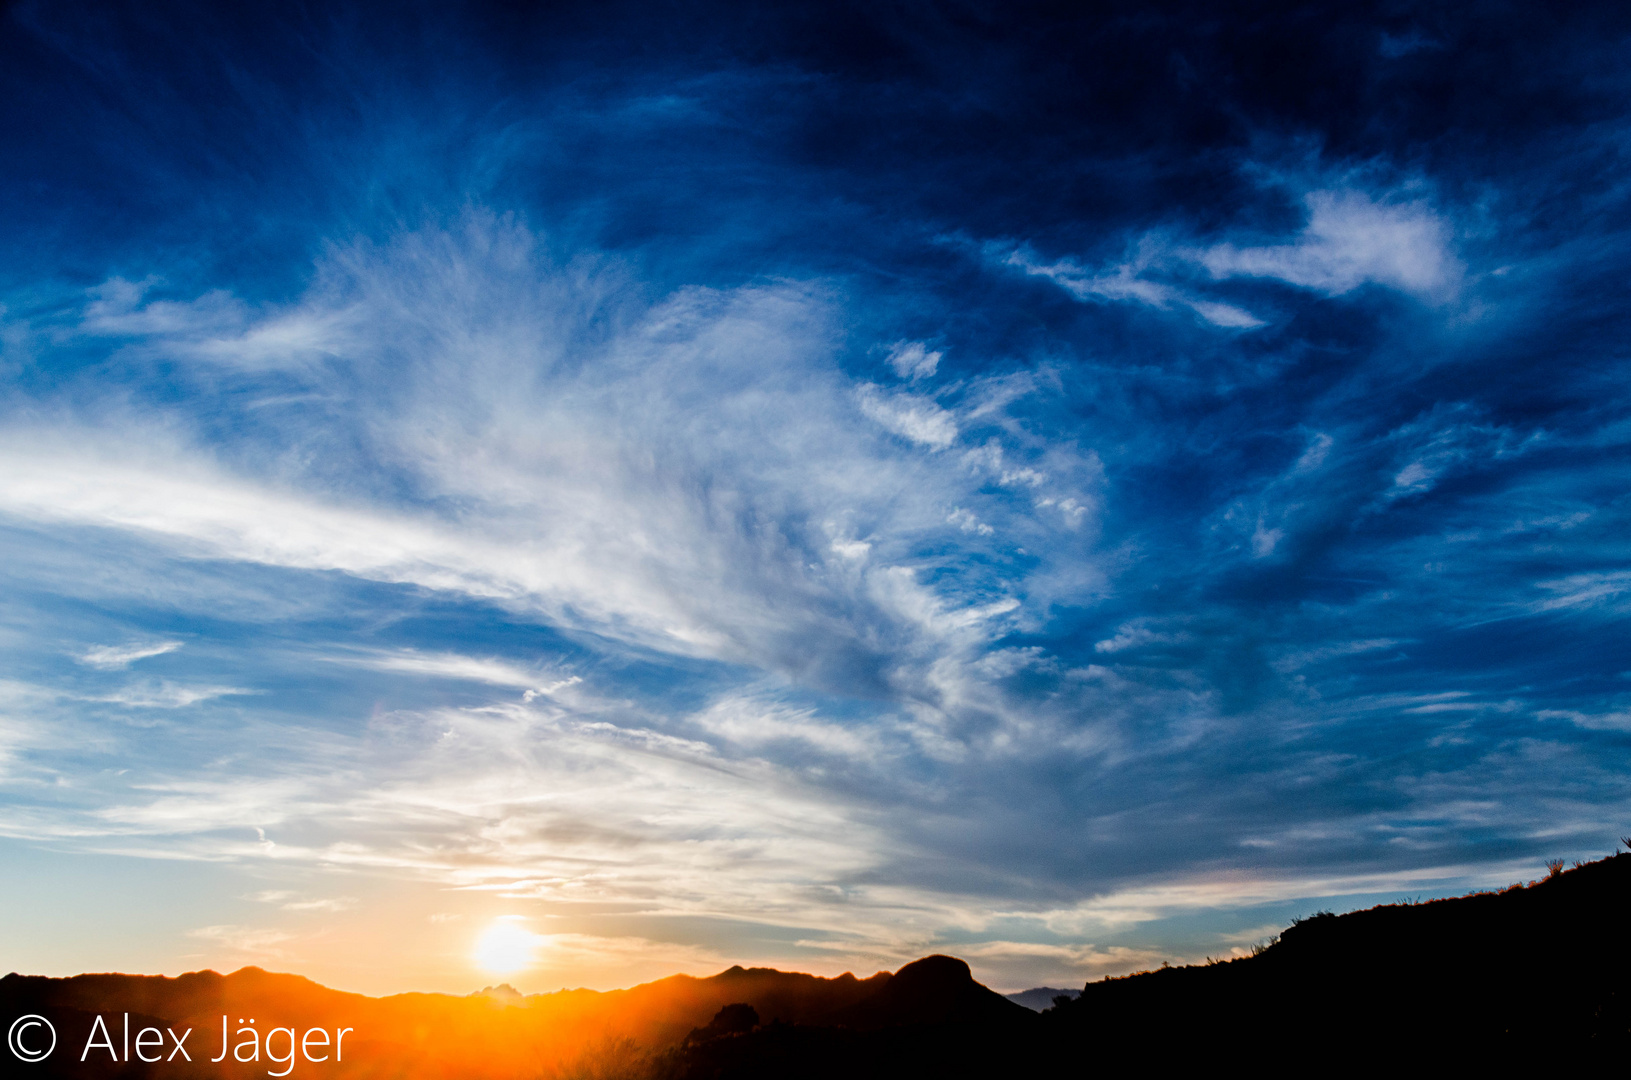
(113, 657)
(489, 670)
(1351, 238)
(165, 694)
(1123, 282)
(632, 473)
(913, 359)
(244, 940)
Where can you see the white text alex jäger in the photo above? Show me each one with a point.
(150, 1044)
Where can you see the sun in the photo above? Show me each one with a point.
(505, 947)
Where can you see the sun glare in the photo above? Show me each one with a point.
(505, 947)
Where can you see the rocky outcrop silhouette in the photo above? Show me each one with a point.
(933, 990)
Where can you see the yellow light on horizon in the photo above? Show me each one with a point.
(505, 947)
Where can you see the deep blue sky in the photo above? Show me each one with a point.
(814, 485)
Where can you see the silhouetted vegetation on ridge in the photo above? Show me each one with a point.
(1531, 968)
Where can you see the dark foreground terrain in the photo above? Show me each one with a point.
(1533, 974)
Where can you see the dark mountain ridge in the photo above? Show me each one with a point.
(495, 1032)
(1525, 970)
(1487, 979)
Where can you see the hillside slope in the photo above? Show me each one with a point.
(1531, 968)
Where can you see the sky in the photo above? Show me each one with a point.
(573, 494)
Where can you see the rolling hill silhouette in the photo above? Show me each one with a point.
(1489, 979)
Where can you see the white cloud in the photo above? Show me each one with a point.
(1447, 440)
(670, 485)
(1224, 315)
(1137, 634)
(910, 416)
(215, 328)
(1265, 540)
(1254, 936)
(1011, 966)
(968, 521)
(1299, 658)
(110, 657)
(1352, 240)
(1597, 589)
(1313, 458)
(165, 694)
(913, 360)
(488, 670)
(289, 901)
(244, 940)
(1136, 904)
(118, 310)
(851, 549)
(993, 461)
(1598, 721)
(330, 903)
(756, 723)
(1125, 282)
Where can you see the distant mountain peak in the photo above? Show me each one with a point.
(1041, 998)
(935, 969)
(501, 992)
(934, 990)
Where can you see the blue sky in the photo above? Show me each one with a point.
(809, 487)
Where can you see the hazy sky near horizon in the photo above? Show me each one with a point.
(811, 485)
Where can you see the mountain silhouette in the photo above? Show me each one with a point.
(933, 990)
(1491, 980)
(494, 1033)
(930, 1019)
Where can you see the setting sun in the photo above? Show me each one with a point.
(505, 947)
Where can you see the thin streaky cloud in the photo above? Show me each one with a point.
(113, 657)
(492, 671)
